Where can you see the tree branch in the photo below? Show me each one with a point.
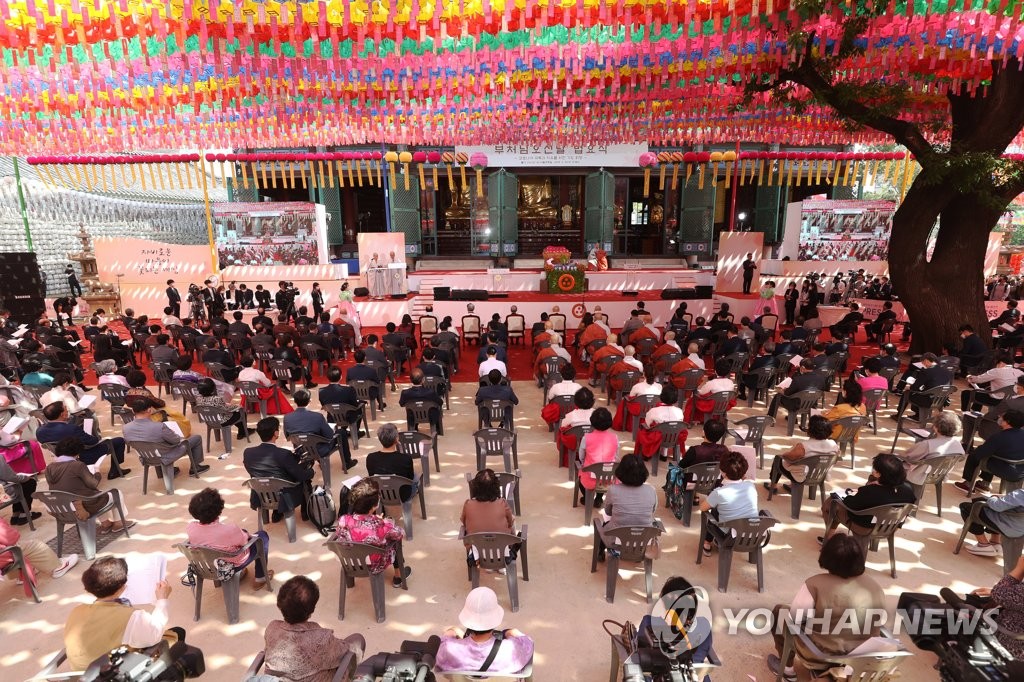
(903, 132)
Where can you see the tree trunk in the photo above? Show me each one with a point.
(946, 292)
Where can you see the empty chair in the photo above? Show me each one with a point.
(268, 494)
(630, 544)
(355, 563)
(750, 431)
(515, 325)
(418, 446)
(494, 442)
(494, 552)
(390, 497)
(205, 566)
(62, 507)
(740, 536)
(428, 327)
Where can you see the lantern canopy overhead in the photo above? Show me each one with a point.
(95, 76)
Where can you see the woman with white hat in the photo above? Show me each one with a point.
(483, 647)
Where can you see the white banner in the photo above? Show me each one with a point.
(522, 155)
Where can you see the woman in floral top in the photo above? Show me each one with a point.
(363, 525)
(1008, 593)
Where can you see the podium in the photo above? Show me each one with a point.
(397, 280)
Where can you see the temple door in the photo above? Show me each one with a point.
(766, 212)
(503, 209)
(405, 213)
(697, 217)
(599, 223)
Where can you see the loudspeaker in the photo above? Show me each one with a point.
(397, 297)
(630, 293)
(469, 295)
(23, 287)
(706, 291)
(361, 291)
(442, 293)
(687, 294)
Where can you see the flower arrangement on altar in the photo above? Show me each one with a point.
(560, 258)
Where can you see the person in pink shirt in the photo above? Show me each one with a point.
(483, 647)
(597, 447)
(871, 378)
(208, 530)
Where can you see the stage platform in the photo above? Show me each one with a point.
(638, 279)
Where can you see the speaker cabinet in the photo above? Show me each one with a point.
(22, 291)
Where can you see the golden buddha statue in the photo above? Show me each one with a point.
(461, 204)
(536, 196)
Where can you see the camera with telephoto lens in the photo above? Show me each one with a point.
(966, 654)
(651, 664)
(158, 663)
(413, 663)
(195, 294)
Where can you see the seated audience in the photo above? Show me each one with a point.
(471, 650)
(93, 630)
(735, 499)
(844, 587)
(631, 501)
(208, 530)
(364, 525)
(886, 485)
(389, 461)
(299, 649)
(819, 442)
(597, 447)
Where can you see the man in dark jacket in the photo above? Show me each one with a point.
(266, 460)
(765, 358)
(418, 392)
(929, 375)
(303, 420)
(363, 372)
(1006, 444)
(495, 390)
(972, 348)
(57, 428)
(807, 379)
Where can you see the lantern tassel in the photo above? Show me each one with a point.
(675, 176)
(661, 178)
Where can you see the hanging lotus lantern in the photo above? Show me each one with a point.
(448, 159)
(730, 158)
(420, 158)
(462, 159)
(391, 158)
(434, 158)
(405, 158)
(479, 162)
(648, 160)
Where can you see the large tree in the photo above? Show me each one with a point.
(964, 185)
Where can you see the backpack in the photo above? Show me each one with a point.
(321, 511)
(674, 488)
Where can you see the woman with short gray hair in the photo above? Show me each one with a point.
(943, 442)
(389, 461)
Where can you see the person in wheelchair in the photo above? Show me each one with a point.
(678, 628)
